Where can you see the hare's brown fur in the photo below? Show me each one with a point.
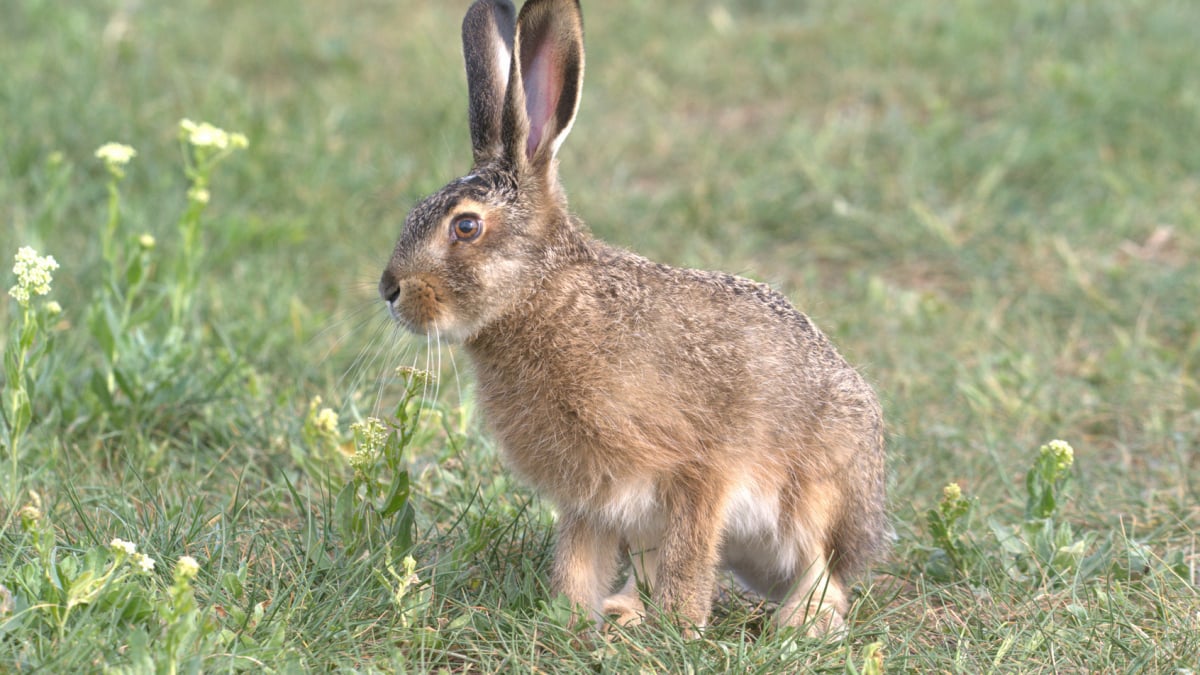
(687, 418)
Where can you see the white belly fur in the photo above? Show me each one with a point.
(762, 554)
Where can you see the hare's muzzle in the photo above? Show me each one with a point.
(413, 301)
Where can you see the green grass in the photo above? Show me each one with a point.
(993, 208)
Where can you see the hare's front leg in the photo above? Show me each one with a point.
(585, 562)
(690, 553)
(625, 607)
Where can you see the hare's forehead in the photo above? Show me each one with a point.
(438, 206)
(472, 192)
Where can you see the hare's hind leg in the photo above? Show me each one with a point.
(585, 562)
(817, 601)
(815, 598)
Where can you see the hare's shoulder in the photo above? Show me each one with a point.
(631, 278)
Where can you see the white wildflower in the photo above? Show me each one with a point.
(186, 567)
(198, 195)
(145, 562)
(115, 154)
(121, 546)
(204, 135)
(370, 434)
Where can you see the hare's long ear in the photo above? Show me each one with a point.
(546, 81)
(487, 35)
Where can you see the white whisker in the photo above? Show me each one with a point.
(454, 369)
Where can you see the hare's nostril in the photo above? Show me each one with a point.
(389, 287)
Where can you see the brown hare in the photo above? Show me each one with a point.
(683, 420)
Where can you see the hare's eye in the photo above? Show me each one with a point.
(466, 228)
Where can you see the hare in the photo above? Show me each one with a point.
(678, 419)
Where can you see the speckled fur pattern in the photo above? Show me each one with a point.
(678, 419)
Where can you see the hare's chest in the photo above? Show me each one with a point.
(577, 428)
(631, 507)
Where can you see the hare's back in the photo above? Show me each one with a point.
(716, 324)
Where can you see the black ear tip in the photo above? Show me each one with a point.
(506, 12)
(499, 13)
(501, 8)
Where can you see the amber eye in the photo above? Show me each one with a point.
(466, 228)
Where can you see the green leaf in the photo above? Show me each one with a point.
(398, 496)
(403, 538)
(101, 329)
(124, 383)
(1097, 562)
(135, 271)
(1068, 557)
(343, 510)
(1007, 537)
(22, 413)
(28, 330)
(137, 608)
(99, 386)
(232, 583)
(12, 367)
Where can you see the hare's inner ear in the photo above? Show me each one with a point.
(549, 47)
(487, 35)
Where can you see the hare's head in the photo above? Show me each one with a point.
(472, 252)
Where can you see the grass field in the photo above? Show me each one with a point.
(992, 207)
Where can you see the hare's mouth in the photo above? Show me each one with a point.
(420, 305)
(417, 303)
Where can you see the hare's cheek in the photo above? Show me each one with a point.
(420, 304)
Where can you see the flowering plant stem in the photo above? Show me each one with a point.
(21, 354)
(189, 251)
(204, 146)
(17, 407)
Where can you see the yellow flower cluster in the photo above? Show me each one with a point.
(326, 421)
(34, 274)
(416, 376)
(951, 493)
(370, 436)
(1063, 453)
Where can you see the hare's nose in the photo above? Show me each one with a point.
(389, 287)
